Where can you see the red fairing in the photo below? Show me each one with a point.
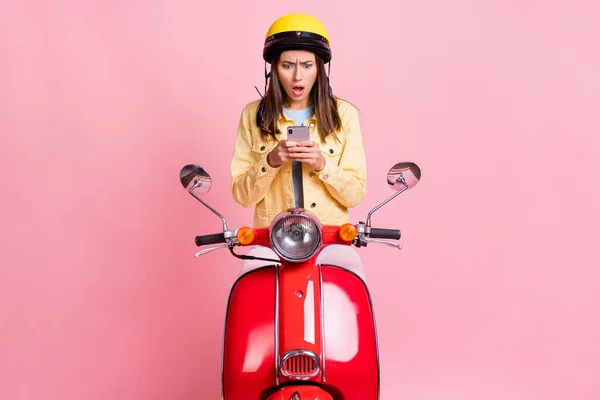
(249, 362)
(351, 356)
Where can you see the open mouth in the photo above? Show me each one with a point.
(298, 90)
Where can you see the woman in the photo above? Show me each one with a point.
(332, 161)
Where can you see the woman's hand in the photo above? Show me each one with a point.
(308, 153)
(280, 154)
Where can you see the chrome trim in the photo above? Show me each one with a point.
(376, 348)
(322, 322)
(294, 353)
(223, 350)
(276, 324)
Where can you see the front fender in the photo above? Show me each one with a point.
(300, 393)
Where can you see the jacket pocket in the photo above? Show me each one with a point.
(260, 148)
(331, 149)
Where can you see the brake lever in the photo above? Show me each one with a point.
(371, 240)
(209, 249)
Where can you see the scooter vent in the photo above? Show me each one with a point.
(300, 364)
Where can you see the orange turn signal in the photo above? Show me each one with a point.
(245, 235)
(348, 232)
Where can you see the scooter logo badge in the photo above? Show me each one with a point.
(295, 396)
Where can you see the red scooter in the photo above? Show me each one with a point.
(296, 329)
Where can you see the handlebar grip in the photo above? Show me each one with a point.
(210, 239)
(379, 233)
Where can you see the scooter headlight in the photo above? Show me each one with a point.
(296, 235)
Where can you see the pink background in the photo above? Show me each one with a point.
(497, 292)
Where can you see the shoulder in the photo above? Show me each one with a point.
(251, 108)
(348, 113)
(345, 108)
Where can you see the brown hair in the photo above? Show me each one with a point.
(325, 106)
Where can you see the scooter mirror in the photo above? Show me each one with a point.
(408, 172)
(195, 178)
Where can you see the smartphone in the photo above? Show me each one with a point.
(298, 133)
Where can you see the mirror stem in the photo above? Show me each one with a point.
(401, 180)
(207, 206)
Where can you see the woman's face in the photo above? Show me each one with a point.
(297, 73)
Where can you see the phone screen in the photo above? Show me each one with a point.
(298, 133)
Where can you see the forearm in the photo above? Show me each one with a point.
(345, 178)
(251, 185)
(347, 186)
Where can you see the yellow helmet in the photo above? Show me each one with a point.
(297, 32)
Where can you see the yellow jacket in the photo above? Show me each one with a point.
(328, 193)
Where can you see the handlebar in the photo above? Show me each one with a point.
(379, 233)
(210, 239)
(376, 233)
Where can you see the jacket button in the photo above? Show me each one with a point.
(313, 205)
(331, 151)
(312, 174)
(325, 177)
(263, 169)
(312, 125)
(262, 148)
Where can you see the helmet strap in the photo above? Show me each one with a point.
(261, 107)
(267, 74)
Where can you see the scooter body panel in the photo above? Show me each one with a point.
(251, 344)
(351, 353)
(249, 340)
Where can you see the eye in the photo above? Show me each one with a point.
(307, 66)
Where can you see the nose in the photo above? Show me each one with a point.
(298, 73)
